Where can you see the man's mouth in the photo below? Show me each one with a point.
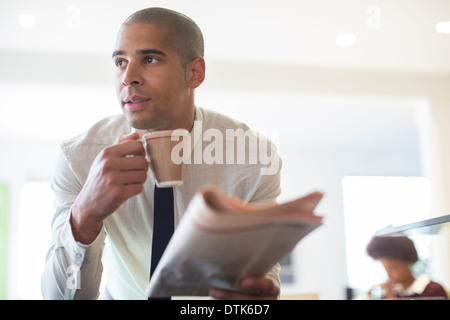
(136, 103)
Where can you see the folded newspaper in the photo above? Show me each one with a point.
(219, 240)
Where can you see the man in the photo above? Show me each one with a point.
(104, 197)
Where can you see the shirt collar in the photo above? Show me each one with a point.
(417, 287)
(196, 131)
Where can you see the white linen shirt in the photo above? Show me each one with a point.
(123, 247)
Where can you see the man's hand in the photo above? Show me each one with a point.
(265, 288)
(117, 174)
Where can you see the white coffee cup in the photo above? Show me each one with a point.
(164, 163)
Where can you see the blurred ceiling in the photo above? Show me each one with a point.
(388, 35)
(397, 35)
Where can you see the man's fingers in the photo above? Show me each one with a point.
(135, 163)
(132, 177)
(130, 136)
(223, 294)
(131, 190)
(262, 288)
(263, 285)
(128, 147)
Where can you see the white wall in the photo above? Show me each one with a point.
(22, 160)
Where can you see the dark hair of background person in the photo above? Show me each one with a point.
(396, 247)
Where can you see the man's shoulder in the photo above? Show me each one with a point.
(242, 145)
(217, 120)
(229, 126)
(104, 132)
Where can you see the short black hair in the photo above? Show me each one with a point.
(183, 34)
(394, 247)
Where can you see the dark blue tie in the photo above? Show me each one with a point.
(163, 224)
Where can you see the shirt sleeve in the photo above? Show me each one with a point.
(72, 270)
(269, 186)
(274, 274)
(267, 192)
(434, 289)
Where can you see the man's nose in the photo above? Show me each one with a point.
(132, 75)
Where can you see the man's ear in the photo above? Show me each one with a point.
(196, 73)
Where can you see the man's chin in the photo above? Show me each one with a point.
(137, 122)
(138, 126)
(146, 123)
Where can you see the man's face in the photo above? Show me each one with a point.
(150, 81)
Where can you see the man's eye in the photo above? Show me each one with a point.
(150, 60)
(120, 63)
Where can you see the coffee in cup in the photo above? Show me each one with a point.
(165, 164)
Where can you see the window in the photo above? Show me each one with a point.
(3, 237)
(286, 271)
(36, 212)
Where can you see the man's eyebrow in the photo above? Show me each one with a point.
(140, 51)
(117, 53)
(150, 51)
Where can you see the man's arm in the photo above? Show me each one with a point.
(73, 267)
(72, 270)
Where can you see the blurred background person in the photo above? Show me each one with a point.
(398, 254)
